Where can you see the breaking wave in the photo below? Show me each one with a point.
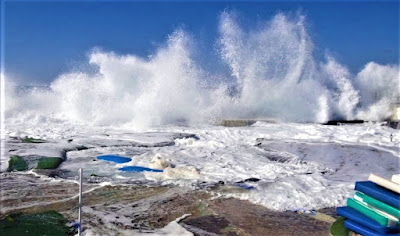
(273, 74)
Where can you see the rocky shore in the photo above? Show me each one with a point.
(123, 209)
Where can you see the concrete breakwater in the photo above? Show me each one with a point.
(242, 122)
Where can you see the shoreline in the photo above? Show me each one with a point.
(118, 209)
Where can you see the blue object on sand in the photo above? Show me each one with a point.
(244, 186)
(76, 224)
(364, 221)
(360, 229)
(379, 193)
(138, 169)
(114, 158)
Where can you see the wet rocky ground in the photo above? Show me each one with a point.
(118, 209)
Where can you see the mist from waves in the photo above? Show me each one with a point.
(273, 74)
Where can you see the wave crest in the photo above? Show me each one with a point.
(272, 72)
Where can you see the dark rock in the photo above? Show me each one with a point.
(249, 180)
(279, 158)
(80, 148)
(393, 124)
(339, 122)
(184, 135)
(253, 219)
(47, 172)
(211, 223)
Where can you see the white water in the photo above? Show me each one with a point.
(273, 74)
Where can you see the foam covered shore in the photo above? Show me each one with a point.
(280, 168)
(317, 164)
(132, 209)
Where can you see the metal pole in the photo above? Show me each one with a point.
(80, 202)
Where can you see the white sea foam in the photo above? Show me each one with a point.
(294, 162)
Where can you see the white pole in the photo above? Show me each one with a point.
(80, 202)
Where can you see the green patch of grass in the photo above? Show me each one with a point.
(47, 223)
(48, 163)
(338, 229)
(32, 140)
(17, 163)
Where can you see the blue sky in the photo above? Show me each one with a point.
(45, 39)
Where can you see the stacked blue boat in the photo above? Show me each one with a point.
(375, 208)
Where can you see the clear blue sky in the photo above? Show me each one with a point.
(45, 39)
